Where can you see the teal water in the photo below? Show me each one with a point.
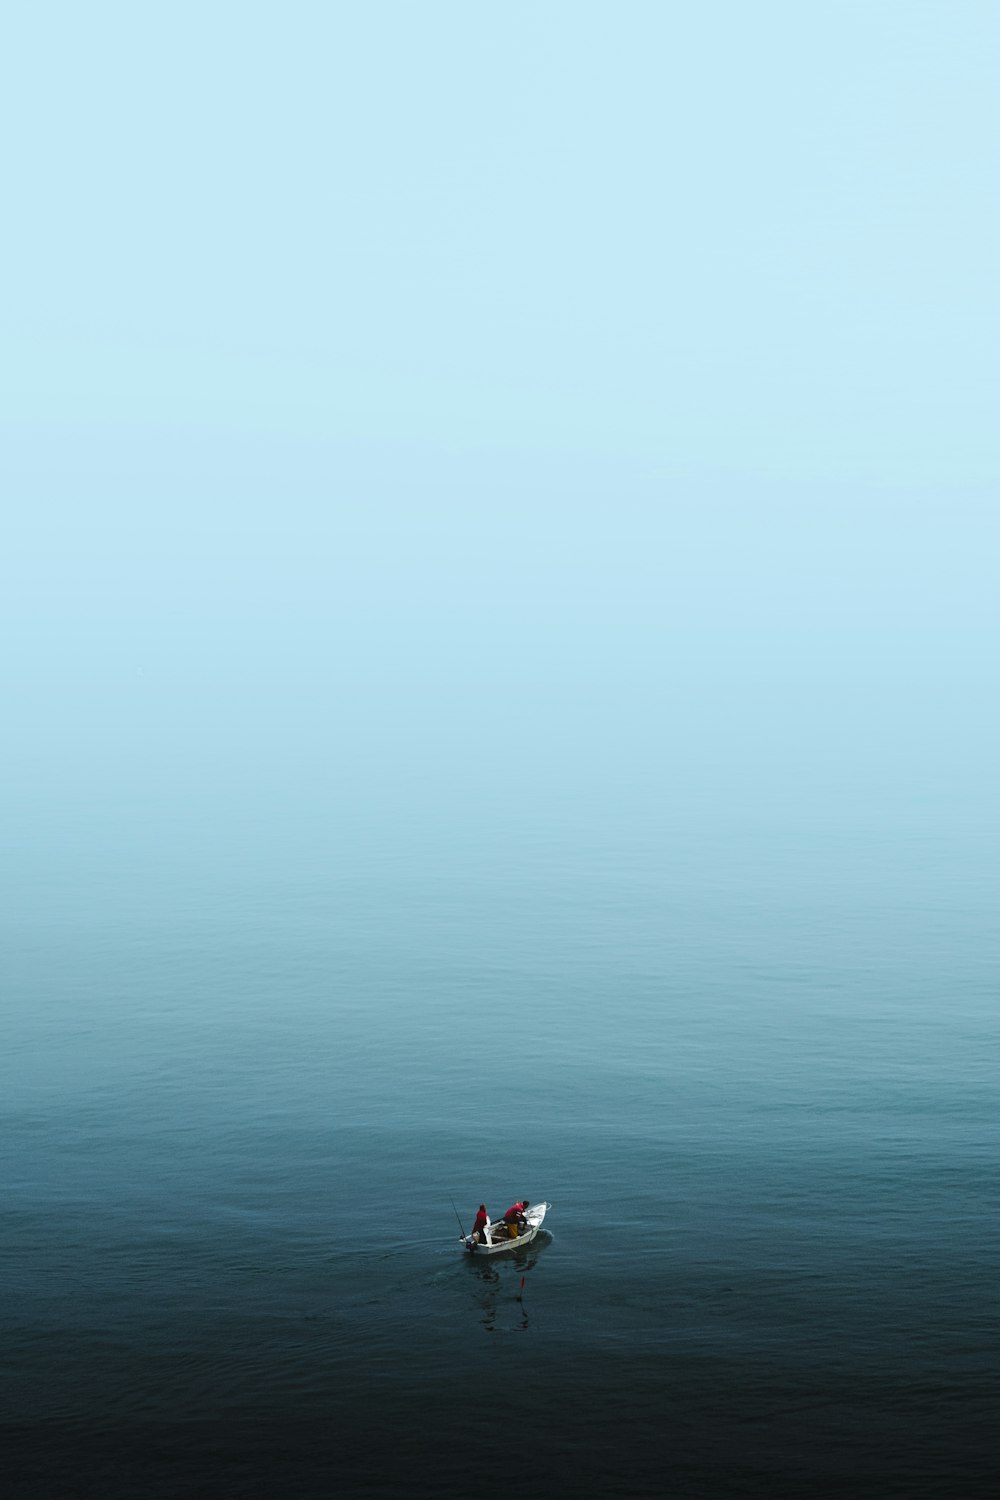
(261, 1028)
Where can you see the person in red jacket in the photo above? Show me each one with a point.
(482, 1223)
(514, 1218)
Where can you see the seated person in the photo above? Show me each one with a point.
(515, 1219)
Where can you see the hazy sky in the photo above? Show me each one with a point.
(557, 342)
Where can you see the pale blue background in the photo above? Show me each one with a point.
(393, 342)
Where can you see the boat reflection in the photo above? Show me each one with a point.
(502, 1284)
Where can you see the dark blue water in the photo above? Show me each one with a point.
(250, 1053)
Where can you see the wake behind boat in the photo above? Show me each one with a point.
(496, 1238)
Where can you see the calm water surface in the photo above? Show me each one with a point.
(752, 1065)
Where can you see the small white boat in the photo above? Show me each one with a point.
(499, 1237)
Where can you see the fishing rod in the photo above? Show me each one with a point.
(464, 1235)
